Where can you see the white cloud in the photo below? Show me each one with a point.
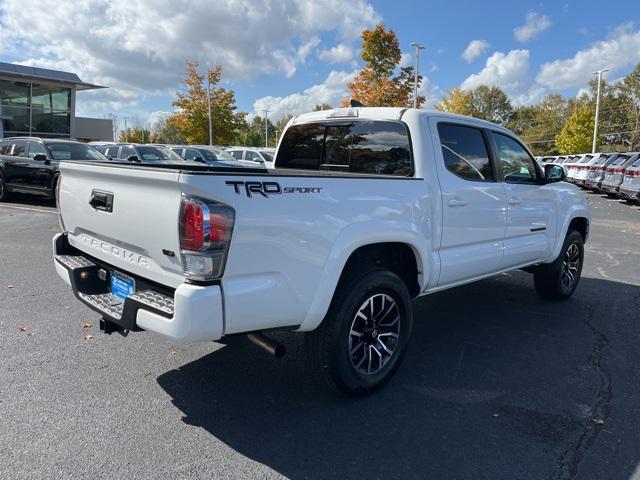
(341, 53)
(475, 49)
(331, 91)
(508, 71)
(534, 24)
(406, 60)
(140, 48)
(432, 93)
(619, 51)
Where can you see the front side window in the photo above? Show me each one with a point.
(5, 148)
(126, 152)
(36, 148)
(465, 152)
(20, 149)
(216, 155)
(371, 147)
(252, 156)
(158, 154)
(192, 154)
(237, 154)
(74, 151)
(515, 163)
(267, 156)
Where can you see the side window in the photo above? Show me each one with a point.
(237, 154)
(252, 156)
(126, 152)
(5, 148)
(465, 152)
(20, 149)
(515, 163)
(382, 148)
(179, 151)
(192, 154)
(36, 148)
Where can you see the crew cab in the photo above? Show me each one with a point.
(31, 164)
(367, 209)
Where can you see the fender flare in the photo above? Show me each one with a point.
(348, 241)
(575, 211)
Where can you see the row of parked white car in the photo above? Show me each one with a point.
(616, 174)
(228, 156)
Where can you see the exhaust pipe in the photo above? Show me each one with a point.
(271, 346)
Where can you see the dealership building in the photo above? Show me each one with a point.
(42, 103)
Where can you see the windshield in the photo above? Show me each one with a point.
(158, 154)
(268, 156)
(217, 155)
(74, 151)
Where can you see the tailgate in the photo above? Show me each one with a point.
(132, 222)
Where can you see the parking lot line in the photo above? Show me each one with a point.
(30, 209)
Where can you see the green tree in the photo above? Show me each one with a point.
(378, 84)
(629, 90)
(192, 119)
(457, 101)
(135, 135)
(577, 134)
(542, 123)
(165, 131)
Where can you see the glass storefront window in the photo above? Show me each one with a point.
(34, 109)
(14, 93)
(47, 99)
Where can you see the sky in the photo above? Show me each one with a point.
(289, 55)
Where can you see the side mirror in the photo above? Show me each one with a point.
(553, 173)
(40, 156)
(133, 158)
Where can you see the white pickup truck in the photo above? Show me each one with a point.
(367, 209)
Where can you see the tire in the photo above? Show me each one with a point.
(558, 280)
(333, 348)
(4, 194)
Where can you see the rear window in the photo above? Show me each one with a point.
(372, 147)
(74, 151)
(586, 159)
(620, 160)
(601, 159)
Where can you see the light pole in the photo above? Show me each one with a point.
(266, 128)
(126, 130)
(595, 124)
(417, 74)
(209, 108)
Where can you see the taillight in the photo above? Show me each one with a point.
(633, 173)
(205, 234)
(57, 187)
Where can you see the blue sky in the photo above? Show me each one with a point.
(289, 55)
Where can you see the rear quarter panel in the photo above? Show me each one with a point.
(288, 249)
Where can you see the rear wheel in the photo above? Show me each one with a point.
(4, 194)
(558, 280)
(362, 340)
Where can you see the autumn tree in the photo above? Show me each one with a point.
(487, 103)
(192, 119)
(382, 82)
(457, 101)
(577, 134)
(166, 131)
(322, 106)
(542, 123)
(629, 89)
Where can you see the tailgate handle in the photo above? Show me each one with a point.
(101, 201)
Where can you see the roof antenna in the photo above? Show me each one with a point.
(355, 103)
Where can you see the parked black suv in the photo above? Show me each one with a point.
(31, 165)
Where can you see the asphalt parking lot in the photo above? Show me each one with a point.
(497, 384)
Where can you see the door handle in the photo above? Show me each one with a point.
(514, 201)
(457, 203)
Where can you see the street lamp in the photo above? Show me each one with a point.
(595, 124)
(209, 108)
(266, 128)
(415, 83)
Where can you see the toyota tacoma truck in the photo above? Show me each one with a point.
(367, 209)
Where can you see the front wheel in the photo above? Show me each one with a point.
(362, 340)
(558, 280)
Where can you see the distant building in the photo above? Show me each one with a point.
(41, 102)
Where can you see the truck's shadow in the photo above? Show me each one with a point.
(497, 384)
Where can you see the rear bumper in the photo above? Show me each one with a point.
(610, 189)
(190, 312)
(629, 194)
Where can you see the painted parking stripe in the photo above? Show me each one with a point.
(29, 209)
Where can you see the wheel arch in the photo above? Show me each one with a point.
(385, 246)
